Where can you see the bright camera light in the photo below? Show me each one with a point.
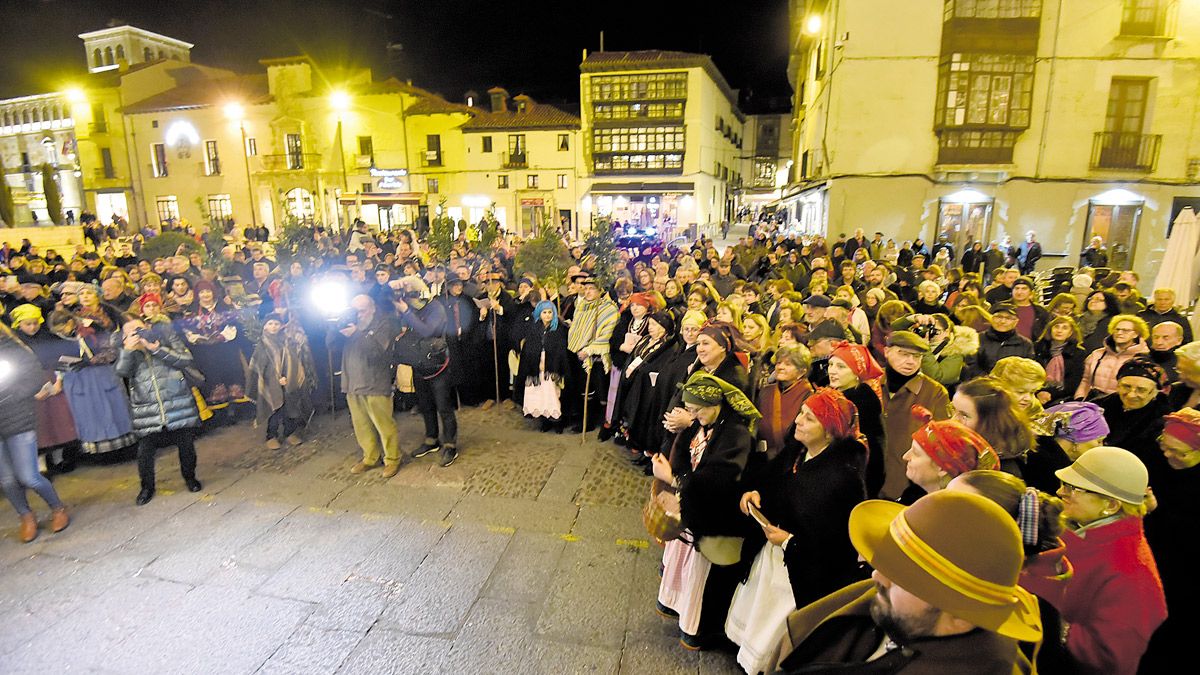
(340, 100)
(332, 298)
(5, 370)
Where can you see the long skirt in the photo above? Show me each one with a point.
(543, 400)
(758, 614)
(685, 572)
(101, 411)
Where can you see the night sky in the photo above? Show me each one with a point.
(449, 46)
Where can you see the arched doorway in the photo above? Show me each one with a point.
(298, 203)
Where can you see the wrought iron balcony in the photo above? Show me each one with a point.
(291, 161)
(1120, 150)
(515, 160)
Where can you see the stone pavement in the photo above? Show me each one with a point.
(526, 556)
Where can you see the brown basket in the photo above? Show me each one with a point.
(661, 514)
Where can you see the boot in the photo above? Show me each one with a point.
(273, 444)
(59, 520)
(29, 529)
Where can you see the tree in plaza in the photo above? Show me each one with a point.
(441, 233)
(8, 209)
(296, 240)
(489, 229)
(602, 250)
(545, 257)
(53, 195)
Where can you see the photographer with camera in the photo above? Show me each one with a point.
(422, 345)
(365, 337)
(952, 348)
(164, 409)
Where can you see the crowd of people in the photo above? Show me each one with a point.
(1015, 456)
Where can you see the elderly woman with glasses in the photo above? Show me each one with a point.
(1114, 601)
(1135, 412)
(1126, 339)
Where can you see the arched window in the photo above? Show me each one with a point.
(147, 54)
(108, 56)
(298, 202)
(37, 115)
(97, 57)
(7, 119)
(120, 52)
(162, 54)
(25, 118)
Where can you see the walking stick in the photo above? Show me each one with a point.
(587, 386)
(496, 358)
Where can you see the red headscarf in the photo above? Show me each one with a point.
(858, 358)
(147, 297)
(952, 446)
(645, 300)
(1184, 426)
(835, 412)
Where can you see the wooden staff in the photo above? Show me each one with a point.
(587, 385)
(496, 356)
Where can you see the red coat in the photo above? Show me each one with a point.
(1113, 603)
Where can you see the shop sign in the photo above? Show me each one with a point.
(533, 202)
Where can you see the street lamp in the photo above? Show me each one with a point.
(340, 102)
(812, 25)
(235, 112)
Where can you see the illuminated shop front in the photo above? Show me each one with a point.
(668, 208)
(807, 212)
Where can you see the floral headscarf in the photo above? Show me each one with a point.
(707, 390)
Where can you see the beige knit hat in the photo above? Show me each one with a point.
(1109, 471)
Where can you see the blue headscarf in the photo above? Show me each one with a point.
(544, 305)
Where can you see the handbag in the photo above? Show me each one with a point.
(661, 514)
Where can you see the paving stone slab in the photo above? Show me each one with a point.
(516, 513)
(557, 657)
(589, 595)
(658, 657)
(529, 561)
(496, 637)
(437, 597)
(432, 503)
(312, 650)
(610, 523)
(395, 653)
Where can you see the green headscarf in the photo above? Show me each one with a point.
(704, 389)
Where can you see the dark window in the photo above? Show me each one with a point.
(159, 158)
(295, 152)
(502, 181)
(366, 147)
(1144, 18)
(487, 143)
(212, 160)
(564, 141)
(106, 162)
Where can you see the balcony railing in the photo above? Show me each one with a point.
(97, 128)
(1120, 150)
(290, 161)
(515, 160)
(104, 174)
(431, 158)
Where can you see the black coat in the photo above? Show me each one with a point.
(1135, 430)
(644, 395)
(870, 423)
(24, 378)
(811, 500)
(538, 338)
(1073, 357)
(708, 494)
(993, 346)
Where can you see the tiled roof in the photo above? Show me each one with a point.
(202, 93)
(434, 105)
(535, 116)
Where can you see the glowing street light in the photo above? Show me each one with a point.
(340, 101)
(76, 95)
(235, 111)
(812, 25)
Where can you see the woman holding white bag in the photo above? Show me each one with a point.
(801, 499)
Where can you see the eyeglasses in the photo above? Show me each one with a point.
(1068, 490)
(1124, 330)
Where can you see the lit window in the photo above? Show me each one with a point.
(531, 181)
(562, 181)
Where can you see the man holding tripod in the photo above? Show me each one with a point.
(423, 346)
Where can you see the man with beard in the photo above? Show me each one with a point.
(943, 597)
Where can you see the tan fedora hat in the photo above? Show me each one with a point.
(956, 551)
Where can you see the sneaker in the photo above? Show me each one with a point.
(423, 450)
(390, 470)
(273, 444)
(362, 467)
(294, 439)
(449, 454)
(487, 405)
